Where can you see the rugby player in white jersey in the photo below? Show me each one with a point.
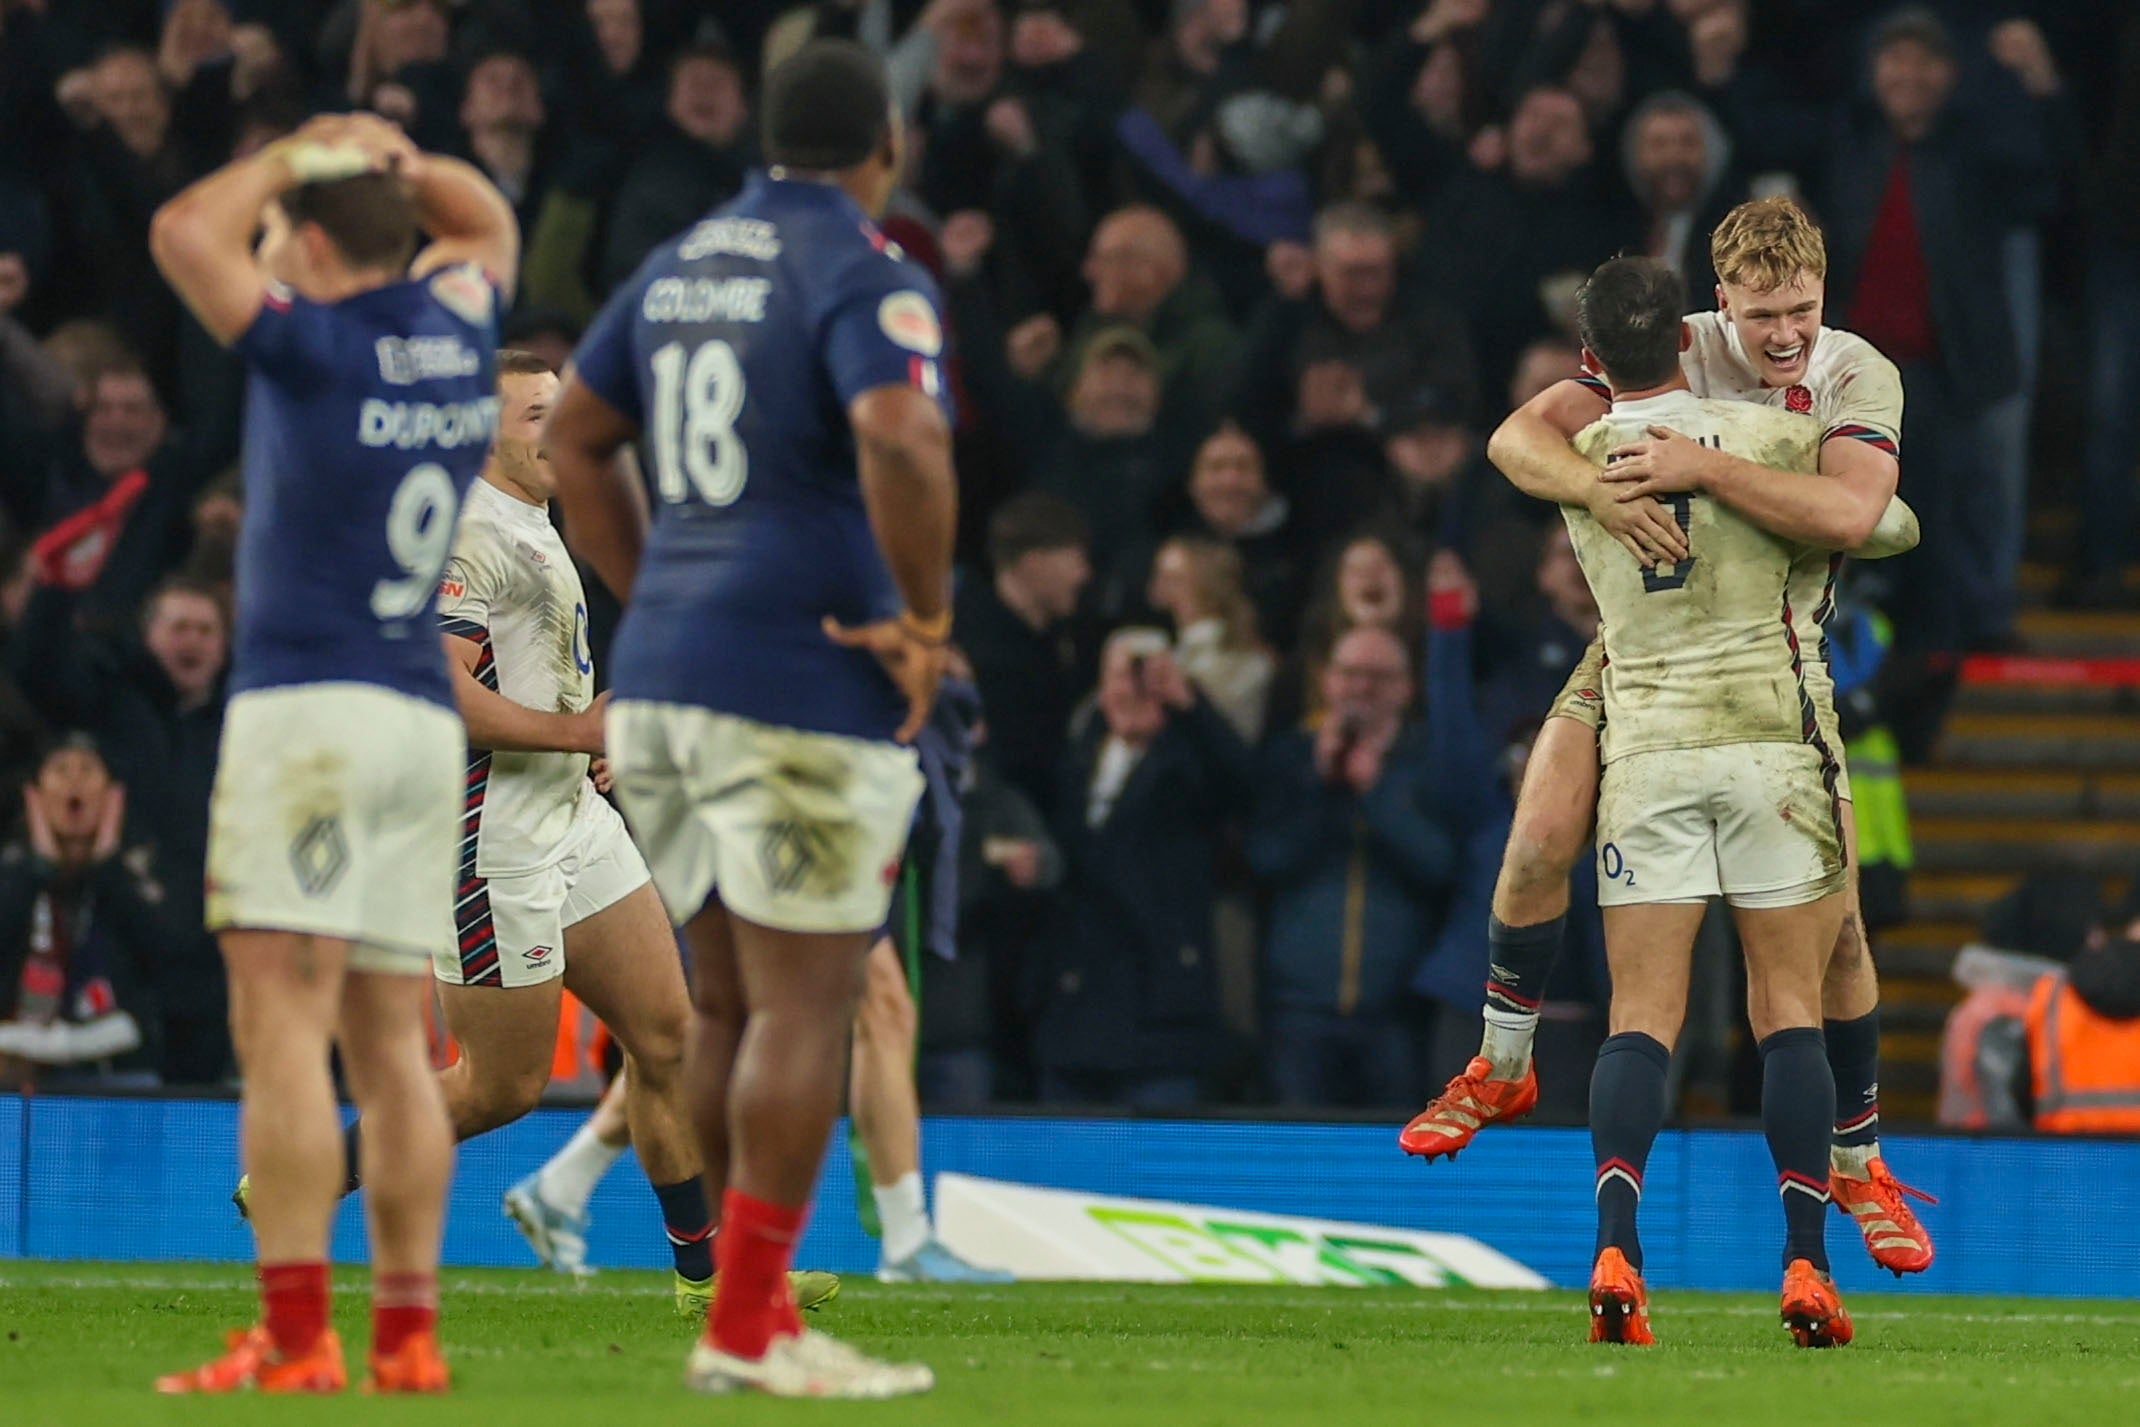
(1718, 782)
(1764, 343)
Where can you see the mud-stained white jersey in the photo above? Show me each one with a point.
(1851, 390)
(511, 588)
(1704, 652)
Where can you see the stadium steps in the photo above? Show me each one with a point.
(2040, 579)
(2038, 769)
(2079, 741)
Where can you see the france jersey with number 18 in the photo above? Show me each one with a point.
(737, 348)
(365, 421)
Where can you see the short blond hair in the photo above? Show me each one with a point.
(1765, 242)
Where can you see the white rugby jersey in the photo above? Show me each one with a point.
(511, 587)
(1703, 652)
(1850, 390)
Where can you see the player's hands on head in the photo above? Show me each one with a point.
(1646, 528)
(1666, 463)
(915, 663)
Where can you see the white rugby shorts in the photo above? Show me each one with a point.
(796, 831)
(1755, 823)
(335, 812)
(509, 930)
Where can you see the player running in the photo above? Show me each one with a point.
(549, 891)
(338, 783)
(786, 628)
(1765, 344)
(1718, 781)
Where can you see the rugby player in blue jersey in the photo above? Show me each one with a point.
(337, 802)
(785, 631)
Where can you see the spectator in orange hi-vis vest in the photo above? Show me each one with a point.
(2084, 1035)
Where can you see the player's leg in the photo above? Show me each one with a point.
(1786, 951)
(550, 1206)
(285, 994)
(887, 1116)
(1863, 1186)
(621, 960)
(1649, 948)
(408, 1162)
(1552, 823)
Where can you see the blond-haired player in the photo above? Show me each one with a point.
(1717, 782)
(1764, 343)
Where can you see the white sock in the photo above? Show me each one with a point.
(1508, 1041)
(1853, 1161)
(904, 1216)
(568, 1180)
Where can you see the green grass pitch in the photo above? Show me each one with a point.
(79, 1344)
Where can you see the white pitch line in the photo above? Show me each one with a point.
(1427, 1301)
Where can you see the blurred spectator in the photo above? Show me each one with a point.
(1138, 269)
(1502, 227)
(502, 114)
(1233, 502)
(693, 162)
(401, 66)
(1333, 350)
(1372, 581)
(1920, 194)
(115, 507)
(2084, 1036)
(1420, 97)
(83, 921)
(1130, 1003)
(976, 1039)
(1111, 448)
(2111, 491)
(1010, 157)
(1678, 161)
(1535, 648)
(1018, 630)
(155, 707)
(1196, 583)
(1359, 858)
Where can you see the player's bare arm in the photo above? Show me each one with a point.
(1531, 448)
(903, 446)
(468, 219)
(496, 722)
(202, 240)
(1837, 509)
(605, 509)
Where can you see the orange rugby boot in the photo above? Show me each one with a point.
(1467, 1105)
(1619, 1302)
(252, 1365)
(1812, 1309)
(1878, 1206)
(418, 1365)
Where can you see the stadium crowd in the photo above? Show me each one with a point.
(1237, 292)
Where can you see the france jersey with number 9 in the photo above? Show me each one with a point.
(737, 348)
(366, 419)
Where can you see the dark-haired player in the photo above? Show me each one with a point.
(1705, 796)
(786, 629)
(338, 783)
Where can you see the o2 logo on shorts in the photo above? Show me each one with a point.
(1614, 866)
(582, 646)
